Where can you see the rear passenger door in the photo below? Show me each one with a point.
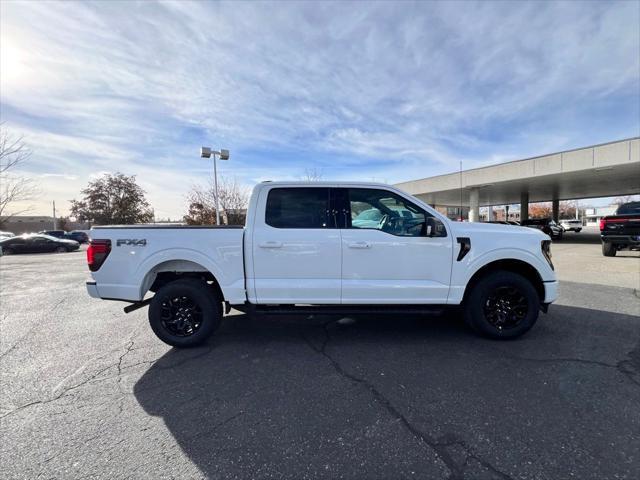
(295, 248)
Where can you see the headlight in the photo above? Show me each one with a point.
(546, 251)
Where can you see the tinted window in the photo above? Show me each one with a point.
(629, 209)
(390, 213)
(535, 221)
(298, 208)
(11, 241)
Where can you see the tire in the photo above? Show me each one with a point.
(488, 316)
(61, 250)
(185, 313)
(608, 249)
(578, 230)
(7, 251)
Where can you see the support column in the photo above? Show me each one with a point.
(490, 216)
(524, 206)
(474, 205)
(555, 210)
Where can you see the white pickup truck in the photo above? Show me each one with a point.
(325, 248)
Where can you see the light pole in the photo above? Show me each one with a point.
(206, 152)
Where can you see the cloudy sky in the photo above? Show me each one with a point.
(384, 91)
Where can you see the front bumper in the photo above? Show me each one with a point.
(92, 290)
(550, 291)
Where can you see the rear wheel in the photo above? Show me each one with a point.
(502, 305)
(185, 313)
(7, 251)
(608, 249)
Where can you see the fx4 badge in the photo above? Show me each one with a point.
(133, 242)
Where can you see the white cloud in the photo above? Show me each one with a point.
(385, 90)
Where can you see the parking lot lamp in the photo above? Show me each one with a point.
(206, 152)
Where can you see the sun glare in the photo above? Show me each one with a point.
(12, 68)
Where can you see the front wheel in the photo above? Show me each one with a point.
(502, 305)
(185, 313)
(608, 249)
(61, 250)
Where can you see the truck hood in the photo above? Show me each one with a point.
(470, 229)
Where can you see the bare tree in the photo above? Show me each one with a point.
(13, 188)
(312, 175)
(625, 199)
(233, 199)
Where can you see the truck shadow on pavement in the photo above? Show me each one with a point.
(400, 396)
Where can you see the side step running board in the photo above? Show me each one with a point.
(339, 309)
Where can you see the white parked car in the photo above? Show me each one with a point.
(305, 249)
(571, 225)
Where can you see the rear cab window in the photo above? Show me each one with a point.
(629, 209)
(298, 207)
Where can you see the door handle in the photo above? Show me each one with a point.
(270, 244)
(360, 245)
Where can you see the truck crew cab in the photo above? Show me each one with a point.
(325, 247)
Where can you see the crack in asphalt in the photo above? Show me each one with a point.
(440, 446)
(32, 328)
(65, 392)
(631, 367)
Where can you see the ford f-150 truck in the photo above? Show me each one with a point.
(622, 230)
(325, 248)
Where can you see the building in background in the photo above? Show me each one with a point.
(35, 223)
(593, 215)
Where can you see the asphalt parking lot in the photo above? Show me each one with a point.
(89, 392)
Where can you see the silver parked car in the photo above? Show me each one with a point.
(571, 225)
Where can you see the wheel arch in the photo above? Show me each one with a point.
(514, 265)
(170, 270)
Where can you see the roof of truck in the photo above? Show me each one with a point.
(325, 183)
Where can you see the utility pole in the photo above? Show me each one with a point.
(461, 191)
(54, 215)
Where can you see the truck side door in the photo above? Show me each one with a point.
(393, 251)
(295, 247)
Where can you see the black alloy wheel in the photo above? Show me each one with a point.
(185, 312)
(181, 315)
(502, 305)
(506, 307)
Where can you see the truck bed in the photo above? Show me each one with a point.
(138, 252)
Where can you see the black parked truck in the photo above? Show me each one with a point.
(621, 231)
(547, 225)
